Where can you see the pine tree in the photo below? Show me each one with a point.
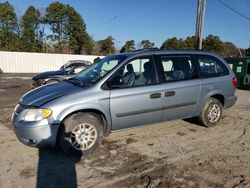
(173, 44)
(30, 30)
(213, 43)
(69, 29)
(128, 46)
(56, 18)
(8, 28)
(75, 28)
(107, 46)
(146, 44)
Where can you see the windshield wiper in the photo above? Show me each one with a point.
(75, 82)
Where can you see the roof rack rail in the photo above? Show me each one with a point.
(146, 49)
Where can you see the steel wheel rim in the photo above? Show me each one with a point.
(83, 136)
(214, 113)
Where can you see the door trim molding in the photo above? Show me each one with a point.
(154, 109)
(138, 112)
(179, 105)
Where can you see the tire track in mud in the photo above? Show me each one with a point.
(125, 168)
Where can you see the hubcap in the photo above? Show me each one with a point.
(83, 136)
(214, 113)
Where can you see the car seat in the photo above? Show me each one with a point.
(129, 77)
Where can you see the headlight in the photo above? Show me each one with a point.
(35, 114)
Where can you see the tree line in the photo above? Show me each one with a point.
(210, 43)
(61, 29)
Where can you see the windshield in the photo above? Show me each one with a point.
(98, 70)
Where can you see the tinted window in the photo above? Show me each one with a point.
(177, 68)
(137, 72)
(210, 66)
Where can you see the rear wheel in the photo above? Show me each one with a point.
(81, 133)
(211, 112)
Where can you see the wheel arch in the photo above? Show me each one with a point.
(101, 115)
(219, 97)
(214, 94)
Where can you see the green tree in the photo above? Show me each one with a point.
(128, 46)
(30, 30)
(75, 28)
(107, 46)
(8, 27)
(146, 44)
(68, 28)
(229, 50)
(213, 43)
(56, 17)
(173, 44)
(190, 43)
(88, 44)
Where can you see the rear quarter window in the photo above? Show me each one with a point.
(211, 66)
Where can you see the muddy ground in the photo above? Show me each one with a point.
(170, 154)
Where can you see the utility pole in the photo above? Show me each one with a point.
(200, 22)
(197, 23)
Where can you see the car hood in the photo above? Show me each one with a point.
(44, 94)
(47, 74)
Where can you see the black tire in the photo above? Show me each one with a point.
(208, 119)
(73, 123)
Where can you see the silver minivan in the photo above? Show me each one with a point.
(124, 91)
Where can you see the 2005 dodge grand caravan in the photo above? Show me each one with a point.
(123, 91)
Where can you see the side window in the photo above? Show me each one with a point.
(138, 72)
(210, 66)
(177, 68)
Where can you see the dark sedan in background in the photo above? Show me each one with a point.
(66, 71)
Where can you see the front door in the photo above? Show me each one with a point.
(136, 97)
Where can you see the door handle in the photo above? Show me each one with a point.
(169, 93)
(155, 95)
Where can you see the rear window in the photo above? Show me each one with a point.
(211, 66)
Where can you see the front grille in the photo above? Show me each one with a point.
(18, 109)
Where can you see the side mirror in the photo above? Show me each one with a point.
(114, 83)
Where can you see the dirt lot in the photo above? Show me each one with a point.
(171, 154)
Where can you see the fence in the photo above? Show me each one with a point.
(22, 62)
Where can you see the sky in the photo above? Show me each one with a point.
(155, 20)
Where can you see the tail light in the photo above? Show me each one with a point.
(234, 82)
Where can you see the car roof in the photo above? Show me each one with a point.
(159, 52)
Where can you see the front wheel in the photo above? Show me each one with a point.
(81, 133)
(211, 112)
